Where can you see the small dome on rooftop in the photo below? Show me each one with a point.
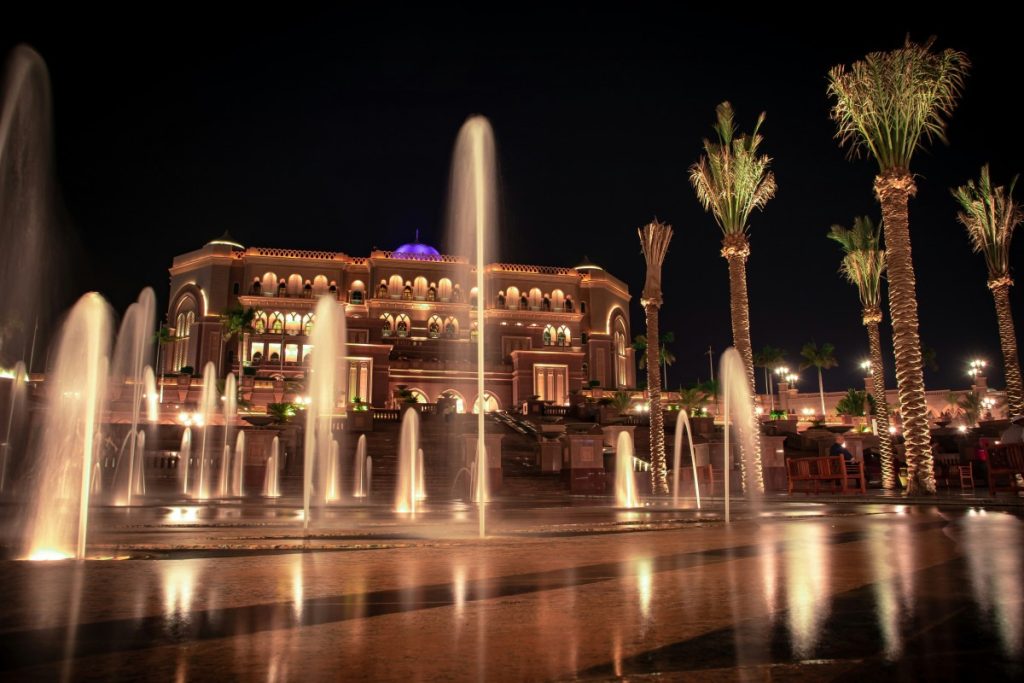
(587, 264)
(416, 248)
(227, 239)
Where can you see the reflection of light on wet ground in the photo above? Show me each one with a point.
(807, 584)
(992, 546)
(887, 606)
(183, 515)
(459, 590)
(769, 569)
(645, 585)
(178, 585)
(298, 595)
(47, 555)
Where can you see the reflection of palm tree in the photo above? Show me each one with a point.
(863, 264)
(990, 215)
(731, 180)
(654, 239)
(665, 357)
(822, 358)
(888, 105)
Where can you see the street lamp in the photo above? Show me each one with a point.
(865, 365)
(792, 378)
(977, 367)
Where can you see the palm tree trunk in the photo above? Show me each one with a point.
(894, 189)
(871, 320)
(659, 471)
(821, 393)
(736, 249)
(1008, 341)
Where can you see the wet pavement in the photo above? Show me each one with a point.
(559, 592)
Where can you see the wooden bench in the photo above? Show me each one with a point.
(810, 474)
(1005, 461)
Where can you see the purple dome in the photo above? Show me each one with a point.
(416, 248)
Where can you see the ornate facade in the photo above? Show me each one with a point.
(411, 321)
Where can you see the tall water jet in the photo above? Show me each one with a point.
(27, 200)
(361, 479)
(238, 474)
(127, 372)
(138, 471)
(473, 228)
(152, 396)
(224, 472)
(326, 384)
(331, 492)
(230, 401)
(70, 437)
(478, 492)
(406, 489)
(14, 419)
(683, 423)
(421, 479)
(739, 425)
(185, 458)
(625, 478)
(208, 402)
(270, 479)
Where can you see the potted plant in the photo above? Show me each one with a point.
(360, 417)
(282, 413)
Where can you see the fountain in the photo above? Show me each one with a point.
(739, 416)
(230, 400)
(270, 479)
(683, 423)
(625, 478)
(331, 494)
(224, 472)
(207, 409)
(326, 385)
(238, 473)
(473, 227)
(70, 436)
(127, 372)
(185, 458)
(407, 491)
(361, 470)
(421, 482)
(138, 470)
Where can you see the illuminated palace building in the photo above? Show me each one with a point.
(410, 320)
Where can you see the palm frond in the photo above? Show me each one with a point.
(887, 102)
(990, 215)
(863, 260)
(731, 179)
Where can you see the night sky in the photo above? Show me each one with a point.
(333, 130)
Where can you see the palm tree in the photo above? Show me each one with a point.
(236, 323)
(823, 359)
(731, 180)
(970, 404)
(863, 265)
(990, 215)
(768, 359)
(888, 105)
(654, 239)
(665, 357)
(162, 337)
(693, 399)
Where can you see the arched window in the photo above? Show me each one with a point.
(583, 307)
(545, 304)
(257, 288)
(535, 299)
(407, 292)
(524, 302)
(460, 402)
(395, 284)
(276, 323)
(282, 288)
(451, 327)
(444, 289)
(501, 300)
(295, 285)
(490, 404)
(549, 335)
(307, 290)
(307, 323)
(382, 290)
(419, 396)
(564, 337)
(183, 322)
(456, 294)
(419, 288)
(292, 323)
(333, 289)
(259, 322)
(432, 292)
(257, 358)
(621, 376)
(269, 283)
(387, 324)
(557, 300)
(568, 304)
(512, 297)
(434, 327)
(319, 285)
(472, 296)
(402, 325)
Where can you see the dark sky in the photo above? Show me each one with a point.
(333, 130)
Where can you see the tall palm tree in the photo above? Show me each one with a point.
(822, 358)
(888, 105)
(990, 215)
(236, 323)
(654, 239)
(863, 265)
(769, 358)
(162, 337)
(665, 356)
(732, 179)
